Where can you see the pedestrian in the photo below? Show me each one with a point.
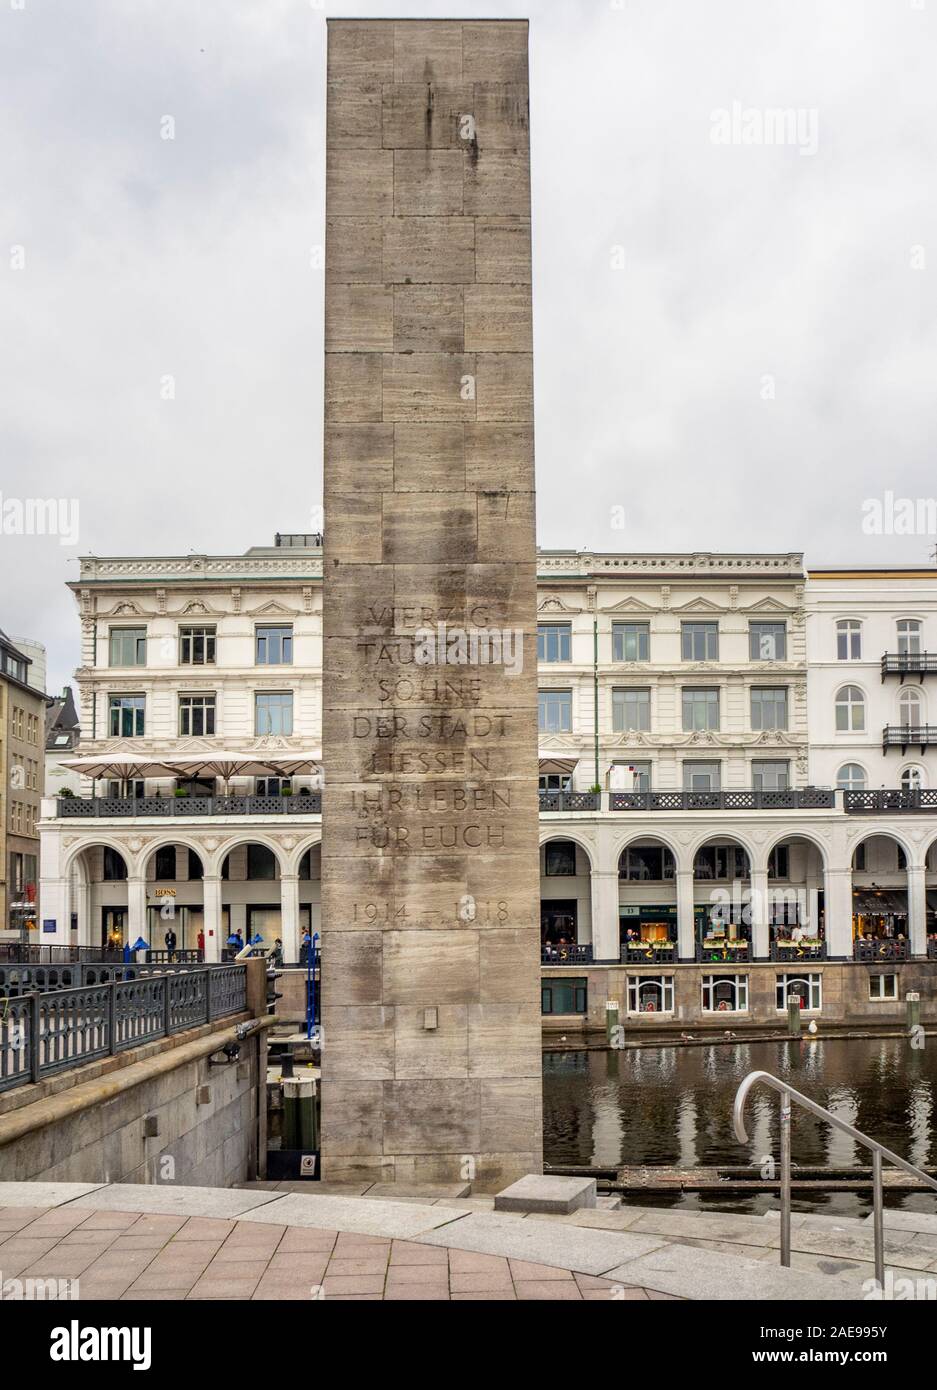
(201, 942)
(170, 940)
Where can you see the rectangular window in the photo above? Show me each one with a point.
(274, 646)
(127, 646)
(272, 786)
(883, 986)
(559, 858)
(646, 864)
(196, 715)
(808, 988)
(779, 865)
(126, 716)
(769, 707)
(701, 777)
(700, 641)
(166, 863)
(720, 862)
(273, 714)
(771, 776)
(555, 710)
(115, 869)
(642, 776)
(554, 641)
(725, 994)
(559, 996)
(554, 781)
(650, 994)
(700, 709)
(631, 709)
(767, 641)
(196, 646)
(631, 641)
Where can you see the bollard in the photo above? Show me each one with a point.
(300, 1127)
(914, 1010)
(794, 1020)
(286, 1064)
(611, 1022)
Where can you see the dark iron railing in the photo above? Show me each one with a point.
(45, 1033)
(793, 951)
(799, 799)
(885, 948)
(27, 978)
(566, 955)
(909, 664)
(570, 801)
(99, 807)
(890, 799)
(727, 954)
(932, 949)
(648, 952)
(22, 953)
(905, 736)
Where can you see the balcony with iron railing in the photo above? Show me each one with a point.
(794, 799)
(565, 954)
(909, 664)
(890, 799)
(112, 807)
(905, 736)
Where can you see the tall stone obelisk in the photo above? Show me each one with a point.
(430, 880)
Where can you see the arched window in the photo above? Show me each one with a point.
(851, 778)
(850, 709)
(910, 708)
(909, 636)
(912, 779)
(849, 639)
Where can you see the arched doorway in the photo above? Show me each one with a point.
(647, 902)
(722, 900)
(310, 891)
(565, 901)
(880, 899)
(100, 907)
(175, 918)
(250, 897)
(795, 910)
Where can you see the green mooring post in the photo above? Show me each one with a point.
(611, 1022)
(794, 1020)
(914, 1009)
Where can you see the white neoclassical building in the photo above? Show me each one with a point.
(693, 817)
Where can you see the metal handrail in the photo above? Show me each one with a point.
(878, 1151)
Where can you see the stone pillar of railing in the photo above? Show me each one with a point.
(211, 903)
(761, 936)
(838, 905)
(605, 914)
(917, 909)
(289, 917)
(686, 927)
(136, 913)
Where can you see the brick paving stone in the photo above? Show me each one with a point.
(479, 1295)
(548, 1289)
(19, 1253)
(83, 1236)
(377, 1264)
(273, 1289)
(302, 1238)
(15, 1218)
(353, 1284)
(205, 1228)
(418, 1274)
(523, 1269)
(354, 1241)
(474, 1281)
(62, 1262)
(405, 1252)
(416, 1293)
(230, 1280)
(110, 1220)
(471, 1262)
(56, 1222)
(306, 1264)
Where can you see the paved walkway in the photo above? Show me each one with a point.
(259, 1242)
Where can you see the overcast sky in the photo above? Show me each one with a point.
(735, 343)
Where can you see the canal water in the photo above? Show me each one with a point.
(672, 1106)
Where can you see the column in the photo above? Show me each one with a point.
(84, 901)
(917, 910)
(211, 916)
(839, 913)
(53, 906)
(136, 913)
(605, 914)
(686, 924)
(289, 917)
(761, 937)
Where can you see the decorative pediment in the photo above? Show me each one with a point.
(700, 605)
(765, 605)
(127, 609)
(553, 604)
(631, 605)
(197, 608)
(273, 609)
